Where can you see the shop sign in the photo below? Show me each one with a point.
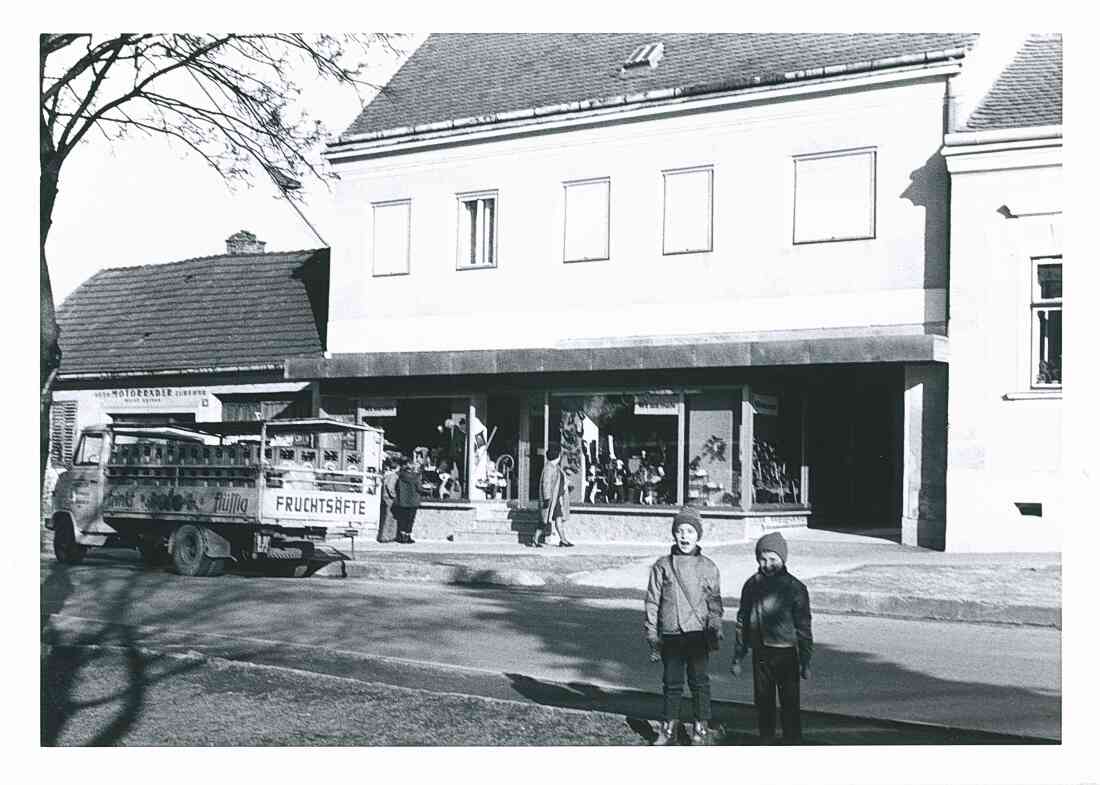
(767, 405)
(656, 403)
(377, 407)
(145, 399)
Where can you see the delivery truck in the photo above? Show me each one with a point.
(206, 495)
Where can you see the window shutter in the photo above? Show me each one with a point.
(62, 431)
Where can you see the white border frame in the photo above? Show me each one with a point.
(565, 219)
(408, 239)
(709, 169)
(872, 218)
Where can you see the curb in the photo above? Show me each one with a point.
(827, 601)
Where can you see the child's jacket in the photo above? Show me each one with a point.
(774, 611)
(667, 610)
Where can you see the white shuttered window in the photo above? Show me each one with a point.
(834, 196)
(390, 237)
(477, 230)
(688, 210)
(587, 218)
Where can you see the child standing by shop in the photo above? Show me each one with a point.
(683, 624)
(773, 620)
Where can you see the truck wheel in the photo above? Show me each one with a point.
(65, 547)
(189, 552)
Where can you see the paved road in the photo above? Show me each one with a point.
(1000, 679)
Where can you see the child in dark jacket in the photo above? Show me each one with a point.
(773, 620)
(683, 622)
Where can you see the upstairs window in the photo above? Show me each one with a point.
(587, 220)
(688, 210)
(1046, 322)
(390, 237)
(834, 196)
(477, 230)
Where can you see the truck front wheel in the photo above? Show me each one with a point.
(65, 547)
(189, 553)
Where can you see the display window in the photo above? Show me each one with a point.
(618, 448)
(430, 432)
(713, 456)
(777, 447)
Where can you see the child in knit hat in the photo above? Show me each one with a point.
(683, 623)
(773, 620)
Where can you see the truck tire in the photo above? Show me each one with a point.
(189, 552)
(65, 547)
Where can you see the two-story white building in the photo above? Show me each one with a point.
(712, 268)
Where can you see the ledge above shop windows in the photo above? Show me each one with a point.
(688, 210)
(390, 237)
(834, 196)
(587, 220)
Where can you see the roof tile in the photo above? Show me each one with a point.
(465, 75)
(216, 311)
(1028, 92)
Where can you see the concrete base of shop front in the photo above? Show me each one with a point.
(495, 522)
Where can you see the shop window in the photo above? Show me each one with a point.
(688, 210)
(477, 230)
(776, 448)
(62, 431)
(618, 448)
(431, 432)
(713, 431)
(1046, 322)
(834, 196)
(390, 237)
(587, 220)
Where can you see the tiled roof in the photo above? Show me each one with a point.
(464, 75)
(1028, 92)
(212, 312)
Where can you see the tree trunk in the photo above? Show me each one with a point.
(49, 333)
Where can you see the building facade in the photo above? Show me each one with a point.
(1004, 469)
(713, 269)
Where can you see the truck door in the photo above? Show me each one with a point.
(86, 480)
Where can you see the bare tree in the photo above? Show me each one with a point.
(231, 99)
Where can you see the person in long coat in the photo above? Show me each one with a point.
(554, 495)
(408, 500)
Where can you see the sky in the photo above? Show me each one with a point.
(150, 200)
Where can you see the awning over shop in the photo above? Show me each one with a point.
(709, 354)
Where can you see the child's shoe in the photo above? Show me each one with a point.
(666, 733)
(699, 735)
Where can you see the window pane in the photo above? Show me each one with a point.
(713, 449)
(390, 249)
(1048, 324)
(1049, 281)
(834, 197)
(90, 447)
(586, 216)
(776, 447)
(477, 232)
(618, 449)
(687, 211)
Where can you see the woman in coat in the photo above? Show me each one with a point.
(407, 502)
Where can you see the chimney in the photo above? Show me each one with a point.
(243, 242)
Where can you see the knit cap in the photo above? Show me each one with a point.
(690, 516)
(774, 542)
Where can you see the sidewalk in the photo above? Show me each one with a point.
(845, 573)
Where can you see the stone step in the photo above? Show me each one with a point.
(487, 535)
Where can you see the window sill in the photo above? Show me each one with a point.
(1033, 395)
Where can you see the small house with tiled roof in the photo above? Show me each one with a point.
(1004, 460)
(190, 341)
(710, 269)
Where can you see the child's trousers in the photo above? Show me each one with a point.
(680, 654)
(775, 669)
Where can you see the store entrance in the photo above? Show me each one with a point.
(854, 448)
